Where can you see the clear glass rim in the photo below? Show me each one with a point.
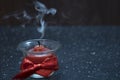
(37, 53)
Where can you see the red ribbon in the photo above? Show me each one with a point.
(45, 68)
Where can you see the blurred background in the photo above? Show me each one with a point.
(69, 12)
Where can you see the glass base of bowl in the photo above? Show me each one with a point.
(39, 76)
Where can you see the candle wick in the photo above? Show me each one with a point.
(38, 43)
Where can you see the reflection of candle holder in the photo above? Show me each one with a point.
(37, 57)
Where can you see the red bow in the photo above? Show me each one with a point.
(44, 69)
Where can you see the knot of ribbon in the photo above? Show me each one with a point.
(45, 68)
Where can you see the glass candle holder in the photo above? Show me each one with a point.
(27, 48)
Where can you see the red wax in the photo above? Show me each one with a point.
(39, 59)
(41, 56)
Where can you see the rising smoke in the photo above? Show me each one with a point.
(39, 17)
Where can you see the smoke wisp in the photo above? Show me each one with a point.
(38, 18)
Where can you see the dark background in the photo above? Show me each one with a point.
(70, 12)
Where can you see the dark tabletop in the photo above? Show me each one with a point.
(87, 52)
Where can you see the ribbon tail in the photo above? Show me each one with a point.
(26, 73)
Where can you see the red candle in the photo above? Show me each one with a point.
(37, 57)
